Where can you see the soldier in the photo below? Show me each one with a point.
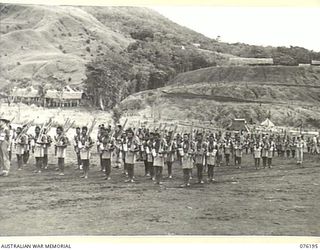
(61, 143)
(220, 152)
(4, 144)
(20, 140)
(76, 140)
(264, 152)
(272, 147)
(47, 145)
(144, 155)
(238, 154)
(101, 130)
(257, 154)
(287, 147)
(299, 148)
(10, 148)
(227, 150)
(199, 157)
(131, 148)
(150, 156)
(185, 152)
(170, 153)
(27, 146)
(293, 147)
(118, 145)
(85, 146)
(211, 158)
(158, 152)
(315, 148)
(106, 148)
(37, 145)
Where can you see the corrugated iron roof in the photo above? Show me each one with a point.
(29, 92)
(67, 94)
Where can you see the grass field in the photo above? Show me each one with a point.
(283, 200)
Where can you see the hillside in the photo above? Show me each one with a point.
(62, 45)
(285, 94)
(51, 43)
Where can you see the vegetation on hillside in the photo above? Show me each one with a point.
(161, 49)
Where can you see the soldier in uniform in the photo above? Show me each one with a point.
(264, 152)
(158, 152)
(118, 144)
(170, 153)
(61, 143)
(101, 130)
(199, 157)
(76, 140)
(106, 149)
(227, 150)
(27, 146)
(185, 152)
(38, 143)
(85, 145)
(131, 147)
(299, 148)
(11, 136)
(293, 147)
(257, 154)
(144, 155)
(211, 157)
(47, 145)
(20, 140)
(150, 156)
(4, 144)
(238, 154)
(272, 147)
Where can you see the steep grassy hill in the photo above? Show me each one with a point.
(285, 94)
(51, 43)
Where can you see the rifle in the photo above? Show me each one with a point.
(93, 124)
(25, 129)
(122, 128)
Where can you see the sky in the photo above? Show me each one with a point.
(286, 26)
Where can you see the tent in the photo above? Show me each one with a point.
(267, 123)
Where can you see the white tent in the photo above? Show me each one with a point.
(267, 123)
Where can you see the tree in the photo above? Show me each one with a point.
(106, 77)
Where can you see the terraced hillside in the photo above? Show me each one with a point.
(288, 95)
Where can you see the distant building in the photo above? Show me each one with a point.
(68, 97)
(239, 125)
(315, 63)
(28, 95)
(304, 65)
(196, 45)
(239, 61)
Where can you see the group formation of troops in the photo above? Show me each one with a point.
(156, 148)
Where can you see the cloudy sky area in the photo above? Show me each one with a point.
(252, 25)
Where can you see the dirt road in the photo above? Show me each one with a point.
(283, 200)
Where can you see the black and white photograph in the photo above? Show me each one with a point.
(159, 120)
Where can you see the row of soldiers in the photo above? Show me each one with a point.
(155, 148)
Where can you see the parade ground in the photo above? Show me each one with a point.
(283, 200)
